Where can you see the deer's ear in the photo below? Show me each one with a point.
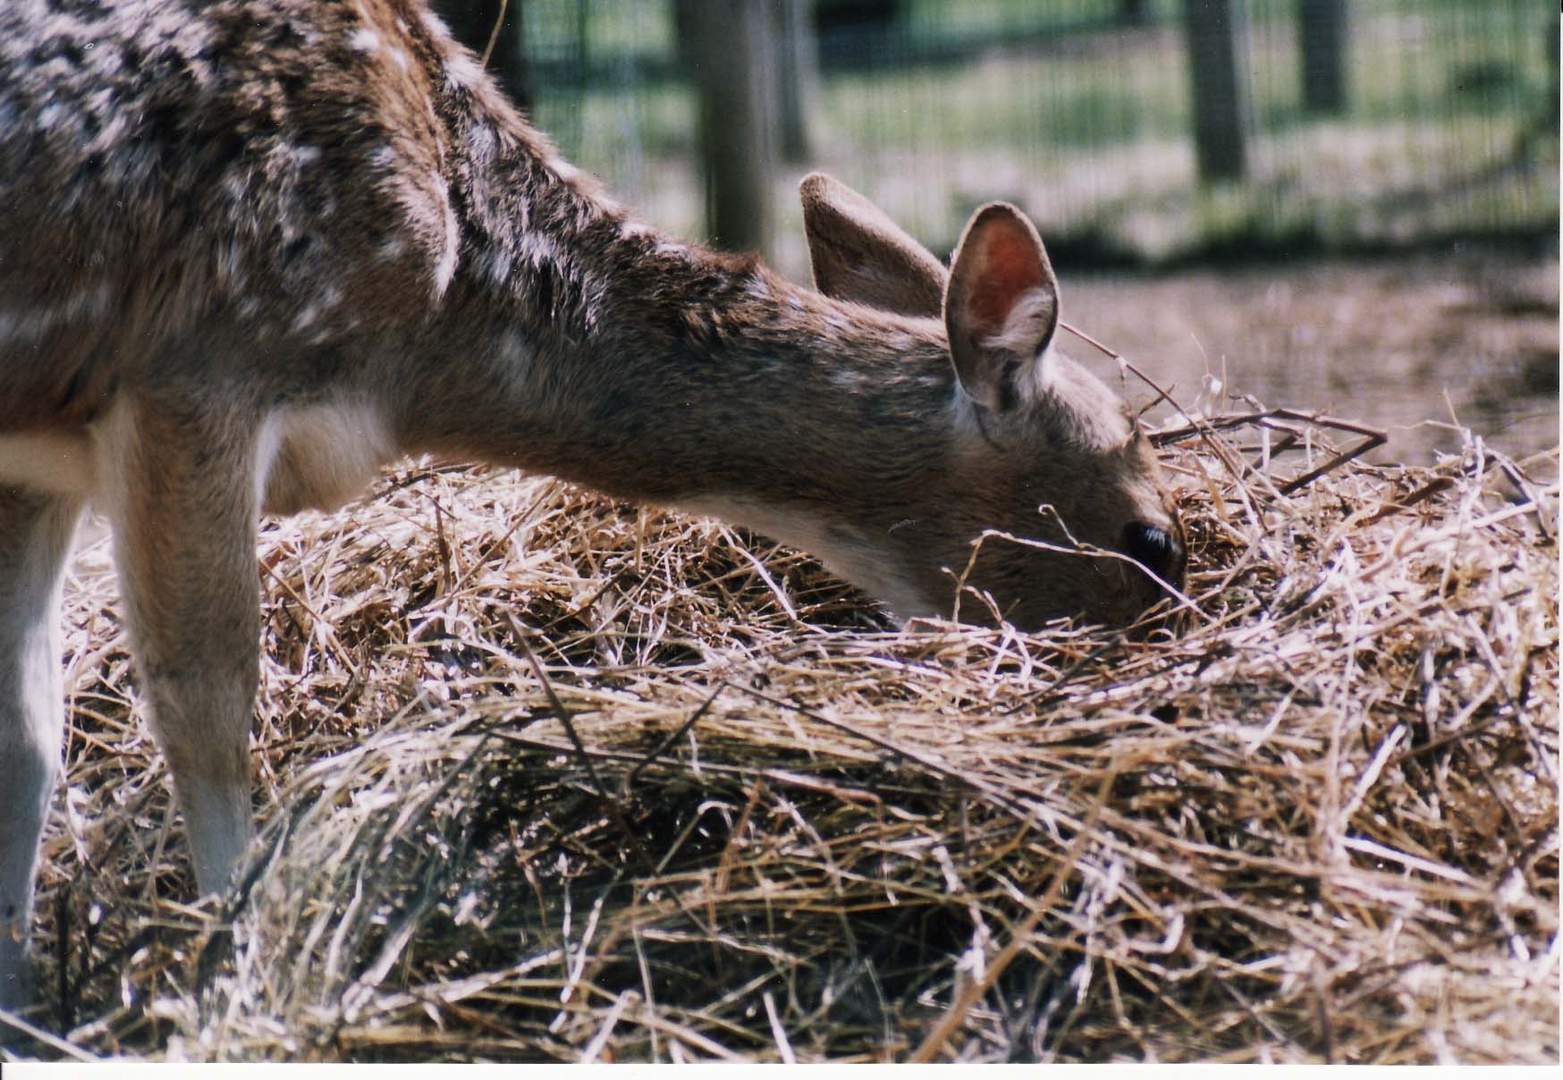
(860, 255)
(1001, 307)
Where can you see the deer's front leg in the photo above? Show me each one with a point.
(181, 486)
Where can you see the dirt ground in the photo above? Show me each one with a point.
(1394, 343)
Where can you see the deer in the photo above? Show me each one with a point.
(253, 251)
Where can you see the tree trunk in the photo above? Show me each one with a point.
(797, 74)
(731, 51)
(1134, 12)
(1321, 26)
(1220, 69)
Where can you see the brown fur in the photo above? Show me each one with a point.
(250, 250)
(860, 253)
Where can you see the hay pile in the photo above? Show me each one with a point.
(545, 777)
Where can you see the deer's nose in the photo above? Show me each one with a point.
(1156, 549)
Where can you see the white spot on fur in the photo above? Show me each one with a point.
(306, 318)
(432, 23)
(496, 267)
(401, 59)
(480, 141)
(445, 269)
(306, 155)
(536, 247)
(363, 40)
(463, 71)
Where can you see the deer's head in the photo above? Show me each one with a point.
(1046, 464)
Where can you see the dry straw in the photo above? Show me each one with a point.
(546, 777)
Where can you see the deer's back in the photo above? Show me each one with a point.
(166, 165)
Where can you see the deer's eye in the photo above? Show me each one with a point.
(1153, 548)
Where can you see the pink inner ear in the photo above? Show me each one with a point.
(1010, 266)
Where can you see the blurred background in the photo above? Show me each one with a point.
(1345, 205)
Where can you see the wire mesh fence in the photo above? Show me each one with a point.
(1081, 112)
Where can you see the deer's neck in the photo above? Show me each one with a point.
(612, 356)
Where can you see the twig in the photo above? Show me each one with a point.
(493, 35)
(565, 718)
(1019, 939)
(70, 1050)
(661, 748)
